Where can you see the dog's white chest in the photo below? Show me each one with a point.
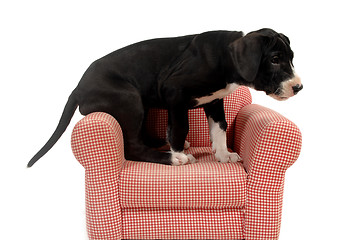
(217, 95)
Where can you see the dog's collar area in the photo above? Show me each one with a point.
(217, 95)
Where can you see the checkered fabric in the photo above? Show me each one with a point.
(269, 144)
(205, 200)
(150, 223)
(97, 144)
(205, 184)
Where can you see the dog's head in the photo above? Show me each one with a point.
(264, 60)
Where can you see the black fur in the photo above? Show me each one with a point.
(171, 73)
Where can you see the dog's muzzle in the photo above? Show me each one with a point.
(288, 88)
(297, 88)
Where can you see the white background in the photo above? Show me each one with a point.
(45, 46)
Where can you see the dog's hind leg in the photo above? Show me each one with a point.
(177, 132)
(160, 144)
(151, 141)
(125, 105)
(130, 115)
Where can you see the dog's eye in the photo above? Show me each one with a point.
(275, 60)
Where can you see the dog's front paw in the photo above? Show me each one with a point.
(226, 157)
(180, 158)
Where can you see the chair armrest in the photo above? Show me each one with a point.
(269, 144)
(266, 139)
(97, 142)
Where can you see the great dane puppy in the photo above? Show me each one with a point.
(178, 74)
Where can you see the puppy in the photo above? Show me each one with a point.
(178, 74)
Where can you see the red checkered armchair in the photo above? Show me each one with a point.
(204, 200)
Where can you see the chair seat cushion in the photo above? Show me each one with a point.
(205, 184)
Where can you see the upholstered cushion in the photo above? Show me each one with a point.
(198, 134)
(207, 184)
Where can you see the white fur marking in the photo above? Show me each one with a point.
(217, 95)
(219, 143)
(286, 88)
(180, 158)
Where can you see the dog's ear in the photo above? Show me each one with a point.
(246, 54)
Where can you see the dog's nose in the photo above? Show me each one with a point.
(297, 88)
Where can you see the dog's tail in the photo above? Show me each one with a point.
(64, 121)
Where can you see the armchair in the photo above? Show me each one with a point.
(205, 200)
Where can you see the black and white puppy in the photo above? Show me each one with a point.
(178, 74)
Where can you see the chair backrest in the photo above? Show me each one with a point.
(198, 134)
